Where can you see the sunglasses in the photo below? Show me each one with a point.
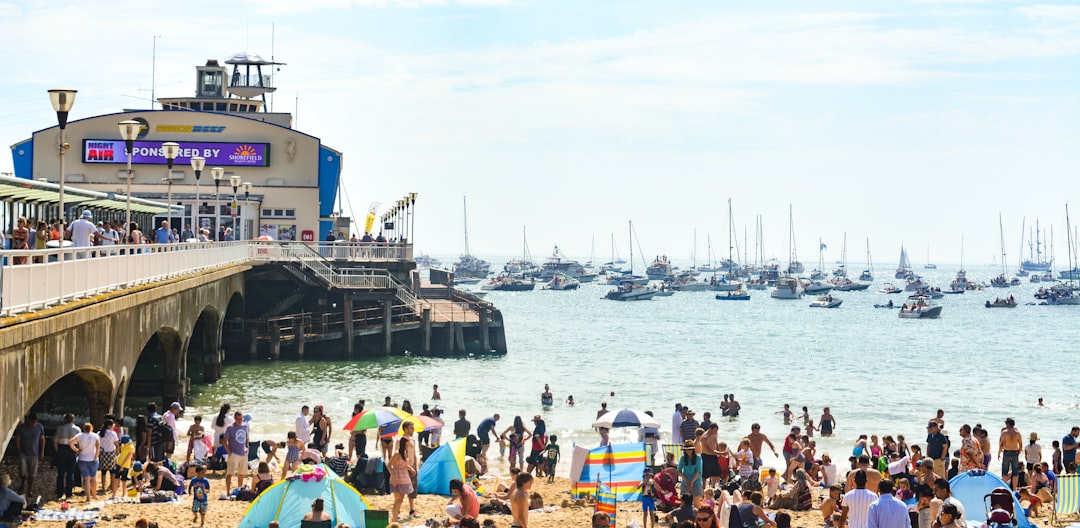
(706, 518)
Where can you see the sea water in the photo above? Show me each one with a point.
(879, 374)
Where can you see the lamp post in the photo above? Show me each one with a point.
(169, 149)
(247, 194)
(197, 163)
(412, 221)
(235, 181)
(62, 100)
(129, 130)
(217, 173)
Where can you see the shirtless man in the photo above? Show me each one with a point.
(435, 396)
(519, 501)
(709, 450)
(756, 437)
(733, 407)
(1009, 447)
(872, 476)
(939, 418)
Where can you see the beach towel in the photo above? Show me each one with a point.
(68, 515)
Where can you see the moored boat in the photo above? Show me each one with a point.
(920, 309)
(787, 287)
(737, 295)
(630, 292)
(507, 282)
(1008, 302)
(561, 282)
(826, 301)
(889, 288)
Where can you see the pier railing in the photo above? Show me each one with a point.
(35, 279)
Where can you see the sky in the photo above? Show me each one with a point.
(913, 123)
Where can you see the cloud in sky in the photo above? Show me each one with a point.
(572, 117)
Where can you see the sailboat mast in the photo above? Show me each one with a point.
(1001, 231)
(465, 213)
(631, 222)
(731, 229)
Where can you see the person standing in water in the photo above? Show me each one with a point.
(546, 399)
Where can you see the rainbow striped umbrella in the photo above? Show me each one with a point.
(388, 416)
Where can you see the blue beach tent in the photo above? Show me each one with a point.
(971, 488)
(445, 463)
(288, 500)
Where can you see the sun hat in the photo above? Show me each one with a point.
(1034, 435)
(688, 445)
(125, 439)
(537, 418)
(87, 214)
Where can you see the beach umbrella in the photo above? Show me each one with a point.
(625, 418)
(375, 417)
(385, 416)
(420, 422)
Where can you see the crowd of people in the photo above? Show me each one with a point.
(709, 479)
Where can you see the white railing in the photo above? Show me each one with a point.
(32, 280)
(36, 279)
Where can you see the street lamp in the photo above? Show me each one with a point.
(234, 180)
(412, 221)
(170, 149)
(129, 130)
(247, 194)
(62, 100)
(217, 173)
(197, 163)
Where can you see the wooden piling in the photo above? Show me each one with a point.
(275, 342)
(484, 341)
(348, 325)
(300, 336)
(253, 344)
(425, 326)
(388, 326)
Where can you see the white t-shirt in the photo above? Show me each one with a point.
(110, 235)
(830, 474)
(109, 441)
(858, 502)
(88, 446)
(170, 419)
(1033, 453)
(82, 231)
(303, 429)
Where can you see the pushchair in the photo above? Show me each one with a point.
(1000, 511)
(667, 496)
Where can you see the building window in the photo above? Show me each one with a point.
(279, 213)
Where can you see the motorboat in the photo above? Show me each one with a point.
(1008, 302)
(427, 261)
(737, 295)
(616, 279)
(508, 282)
(846, 284)
(932, 293)
(826, 301)
(660, 268)
(471, 267)
(458, 281)
(630, 292)
(787, 287)
(561, 282)
(685, 281)
(724, 283)
(920, 309)
(816, 287)
(914, 283)
(889, 288)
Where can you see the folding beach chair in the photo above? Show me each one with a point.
(1067, 500)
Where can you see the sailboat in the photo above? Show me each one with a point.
(788, 286)
(840, 281)
(1038, 264)
(1021, 272)
(929, 265)
(525, 267)
(1066, 293)
(729, 281)
(468, 266)
(868, 274)
(960, 283)
(1001, 281)
(629, 291)
(903, 271)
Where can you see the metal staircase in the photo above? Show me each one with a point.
(346, 278)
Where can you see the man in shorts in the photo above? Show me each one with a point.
(407, 429)
(756, 438)
(30, 444)
(1009, 446)
(236, 445)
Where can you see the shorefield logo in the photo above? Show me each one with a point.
(246, 154)
(194, 129)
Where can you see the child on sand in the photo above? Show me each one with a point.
(195, 434)
(199, 488)
(551, 456)
(772, 485)
(124, 459)
(648, 504)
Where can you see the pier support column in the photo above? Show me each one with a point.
(253, 344)
(388, 326)
(300, 337)
(275, 342)
(425, 328)
(459, 338)
(484, 342)
(348, 325)
(450, 337)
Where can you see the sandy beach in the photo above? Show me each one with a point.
(227, 513)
